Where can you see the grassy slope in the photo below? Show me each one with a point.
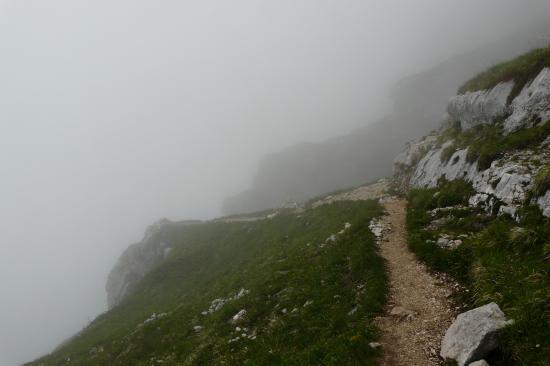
(501, 261)
(521, 70)
(283, 265)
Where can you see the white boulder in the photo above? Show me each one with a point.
(532, 104)
(480, 107)
(473, 334)
(479, 363)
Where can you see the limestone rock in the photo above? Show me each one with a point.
(479, 363)
(239, 318)
(544, 203)
(507, 181)
(375, 345)
(532, 104)
(480, 107)
(446, 242)
(473, 334)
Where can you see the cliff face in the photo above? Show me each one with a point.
(519, 172)
(140, 258)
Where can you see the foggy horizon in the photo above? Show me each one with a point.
(116, 114)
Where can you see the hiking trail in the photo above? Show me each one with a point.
(419, 308)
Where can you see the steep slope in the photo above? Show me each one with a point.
(478, 194)
(497, 139)
(296, 288)
(420, 101)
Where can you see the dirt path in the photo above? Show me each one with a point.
(418, 311)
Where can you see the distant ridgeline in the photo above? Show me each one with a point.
(307, 170)
(498, 139)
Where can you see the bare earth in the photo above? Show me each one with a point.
(419, 309)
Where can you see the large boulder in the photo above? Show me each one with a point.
(480, 107)
(473, 334)
(532, 105)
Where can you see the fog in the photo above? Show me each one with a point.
(114, 114)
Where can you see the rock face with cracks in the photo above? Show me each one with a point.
(506, 184)
(480, 107)
(530, 106)
(473, 334)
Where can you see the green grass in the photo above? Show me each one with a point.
(284, 263)
(488, 143)
(500, 261)
(522, 70)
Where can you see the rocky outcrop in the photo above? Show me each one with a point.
(530, 106)
(544, 203)
(140, 258)
(508, 182)
(480, 107)
(405, 163)
(473, 334)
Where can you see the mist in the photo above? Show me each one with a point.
(114, 114)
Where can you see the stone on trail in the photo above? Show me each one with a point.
(401, 312)
(473, 334)
(375, 345)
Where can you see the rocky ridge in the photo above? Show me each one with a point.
(508, 182)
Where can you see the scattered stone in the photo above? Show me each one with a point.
(353, 311)
(446, 242)
(401, 312)
(378, 228)
(240, 317)
(473, 334)
(197, 328)
(438, 223)
(375, 345)
(331, 239)
(217, 304)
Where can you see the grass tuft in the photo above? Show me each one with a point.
(521, 70)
